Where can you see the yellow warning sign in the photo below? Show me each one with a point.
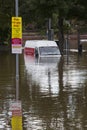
(16, 35)
(16, 27)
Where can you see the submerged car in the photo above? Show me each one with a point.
(41, 48)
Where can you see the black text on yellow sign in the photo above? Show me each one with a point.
(16, 27)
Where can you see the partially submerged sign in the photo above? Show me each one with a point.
(16, 35)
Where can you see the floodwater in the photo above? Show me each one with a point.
(53, 92)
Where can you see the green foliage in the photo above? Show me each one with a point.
(6, 11)
(38, 12)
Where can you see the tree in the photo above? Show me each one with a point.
(38, 11)
(6, 11)
(62, 9)
(41, 10)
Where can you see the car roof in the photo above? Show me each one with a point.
(39, 43)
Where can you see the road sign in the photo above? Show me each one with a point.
(16, 35)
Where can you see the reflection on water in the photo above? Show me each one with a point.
(6, 89)
(53, 92)
(44, 73)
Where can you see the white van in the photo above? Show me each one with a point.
(41, 48)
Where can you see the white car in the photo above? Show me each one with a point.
(41, 48)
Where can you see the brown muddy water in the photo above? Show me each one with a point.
(53, 92)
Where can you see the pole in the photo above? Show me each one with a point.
(67, 47)
(16, 8)
(49, 29)
(17, 59)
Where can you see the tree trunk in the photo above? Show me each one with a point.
(61, 34)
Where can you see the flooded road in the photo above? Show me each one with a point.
(53, 92)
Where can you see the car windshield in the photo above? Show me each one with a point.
(49, 50)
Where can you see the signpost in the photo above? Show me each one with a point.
(17, 43)
(15, 106)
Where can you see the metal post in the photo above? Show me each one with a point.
(17, 76)
(16, 7)
(67, 46)
(79, 49)
(50, 31)
(17, 59)
(49, 24)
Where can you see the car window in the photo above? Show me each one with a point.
(49, 50)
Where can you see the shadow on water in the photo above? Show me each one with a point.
(53, 93)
